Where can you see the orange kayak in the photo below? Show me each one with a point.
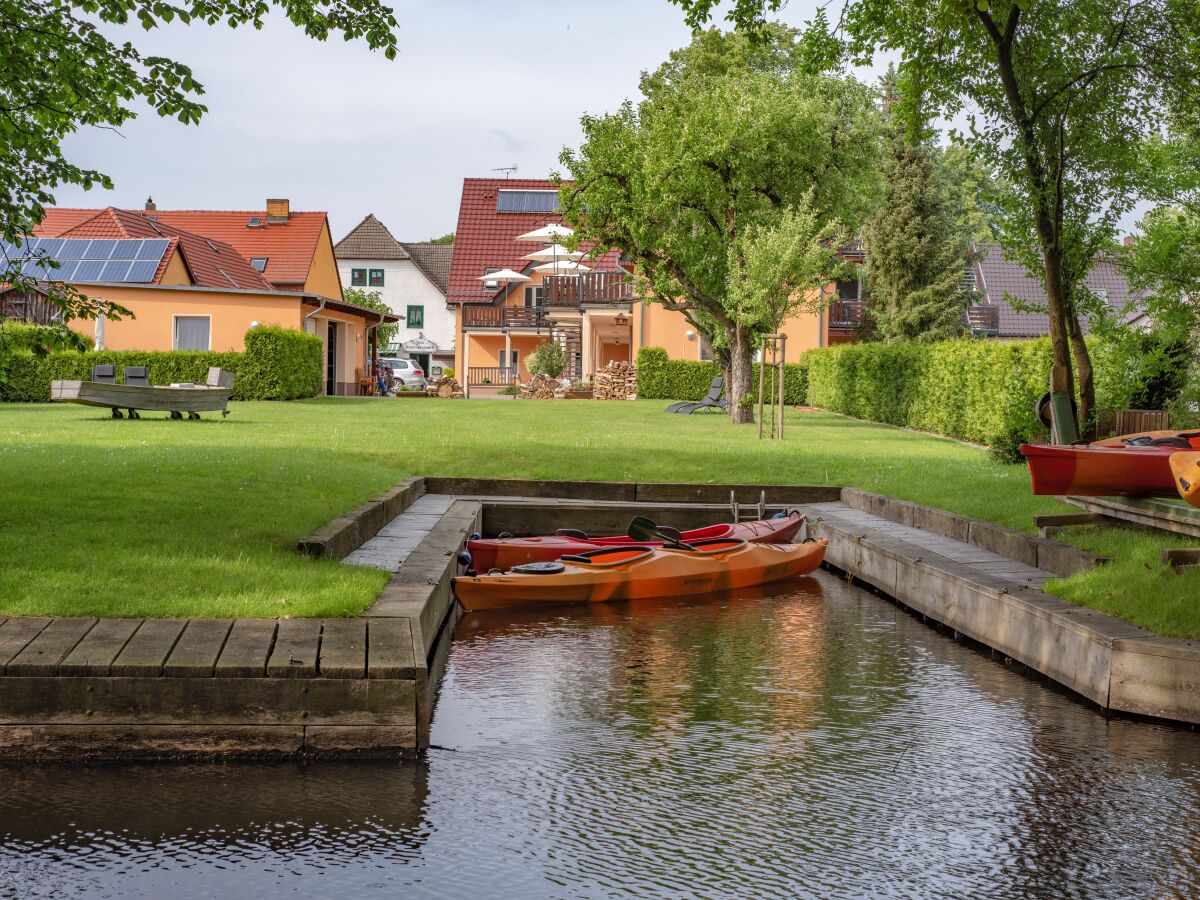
(639, 572)
(1185, 467)
(504, 553)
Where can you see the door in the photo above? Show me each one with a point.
(331, 341)
(422, 361)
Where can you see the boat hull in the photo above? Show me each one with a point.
(644, 573)
(1100, 470)
(196, 399)
(504, 553)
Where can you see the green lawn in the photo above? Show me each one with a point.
(160, 518)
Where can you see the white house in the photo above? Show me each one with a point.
(411, 279)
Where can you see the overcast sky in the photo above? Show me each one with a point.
(476, 86)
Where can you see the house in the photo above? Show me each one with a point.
(999, 281)
(411, 279)
(198, 280)
(594, 314)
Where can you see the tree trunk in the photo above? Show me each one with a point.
(1087, 384)
(738, 381)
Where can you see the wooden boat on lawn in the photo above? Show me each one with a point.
(178, 400)
(506, 552)
(640, 572)
(1129, 465)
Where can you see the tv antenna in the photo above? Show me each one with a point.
(507, 170)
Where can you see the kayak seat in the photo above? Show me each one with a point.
(1171, 442)
(547, 567)
(608, 556)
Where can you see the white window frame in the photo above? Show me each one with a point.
(175, 330)
(537, 290)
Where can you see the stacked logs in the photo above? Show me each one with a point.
(541, 387)
(444, 387)
(616, 381)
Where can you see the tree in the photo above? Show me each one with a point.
(60, 72)
(721, 143)
(915, 245)
(549, 359)
(1060, 95)
(374, 300)
(444, 239)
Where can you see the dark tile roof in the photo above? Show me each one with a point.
(997, 277)
(434, 260)
(369, 239)
(486, 237)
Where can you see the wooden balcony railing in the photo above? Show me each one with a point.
(485, 376)
(983, 319)
(846, 315)
(479, 316)
(590, 287)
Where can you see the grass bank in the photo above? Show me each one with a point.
(158, 518)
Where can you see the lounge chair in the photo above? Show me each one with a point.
(712, 400)
(138, 376)
(104, 374)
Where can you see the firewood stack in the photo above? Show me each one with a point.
(541, 387)
(616, 381)
(444, 387)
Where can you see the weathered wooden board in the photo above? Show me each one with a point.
(148, 649)
(16, 633)
(297, 642)
(392, 652)
(247, 649)
(195, 653)
(343, 648)
(42, 655)
(1164, 515)
(95, 654)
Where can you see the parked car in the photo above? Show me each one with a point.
(404, 371)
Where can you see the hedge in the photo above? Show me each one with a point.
(278, 364)
(979, 391)
(661, 378)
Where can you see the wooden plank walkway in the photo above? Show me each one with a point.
(204, 648)
(396, 541)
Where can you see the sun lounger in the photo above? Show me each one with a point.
(712, 400)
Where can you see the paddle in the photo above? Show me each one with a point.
(642, 529)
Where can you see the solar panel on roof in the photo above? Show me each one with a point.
(108, 259)
(48, 247)
(115, 270)
(73, 248)
(126, 250)
(66, 271)
(89, 270)
(99, 249)
(153, 250)
(527, 201)
(142, 271)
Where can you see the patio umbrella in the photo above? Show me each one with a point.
(553, 252)
(565, 265)
(504, 276)
(547, 234)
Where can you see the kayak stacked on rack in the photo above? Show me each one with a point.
(650, 562)
(1130, 465)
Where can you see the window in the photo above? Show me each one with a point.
(416, 317)
(848, 290)
(259, 262)
(376, 279)
(510, 359)
(535, 296)
(192, 332)
(706, 351)
(358, 277)
(491, 285)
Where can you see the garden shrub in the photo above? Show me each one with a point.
(984, 392)
(27, 336)
(278, 364)
(662, 378)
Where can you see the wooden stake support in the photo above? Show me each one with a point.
(770, 384)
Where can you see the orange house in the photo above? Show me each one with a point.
(198, 280)
(593, 314)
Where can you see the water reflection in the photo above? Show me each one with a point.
(807, 740)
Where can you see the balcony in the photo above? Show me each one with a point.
(983, 320)
(591, 287)
(491, 376)
(846, 315)
(479, 316)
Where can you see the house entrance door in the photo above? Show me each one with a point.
(331, 340)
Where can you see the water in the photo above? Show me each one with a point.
(814, 741)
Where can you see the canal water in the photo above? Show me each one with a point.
(811, 741)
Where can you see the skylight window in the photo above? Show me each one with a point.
(259, 262)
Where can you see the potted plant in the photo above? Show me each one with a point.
(580, 390)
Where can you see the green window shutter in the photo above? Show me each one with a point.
(358, 277)
(416, 317)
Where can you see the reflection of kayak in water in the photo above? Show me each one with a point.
(636, 572)
(504, 553)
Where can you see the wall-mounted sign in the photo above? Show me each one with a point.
(420, 345)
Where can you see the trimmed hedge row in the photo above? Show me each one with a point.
(278, 364)
(661, 378)
(979, 391)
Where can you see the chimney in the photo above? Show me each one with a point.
(278, 210)
(150, 207)
(1129, 240)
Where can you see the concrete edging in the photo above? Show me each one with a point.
(341, 536)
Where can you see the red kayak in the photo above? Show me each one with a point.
(1102, 470)
(504, 553)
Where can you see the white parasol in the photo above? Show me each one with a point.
(504, 276)
(547, 234)
(565, 265)
(553, 252)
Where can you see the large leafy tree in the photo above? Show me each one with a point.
(61, 70)
(916, 243)
(1060, 95)
(728, 138)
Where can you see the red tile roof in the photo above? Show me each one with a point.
(485, 238)
(288, 246)
(212, 263)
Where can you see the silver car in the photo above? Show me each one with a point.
(404, 371)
